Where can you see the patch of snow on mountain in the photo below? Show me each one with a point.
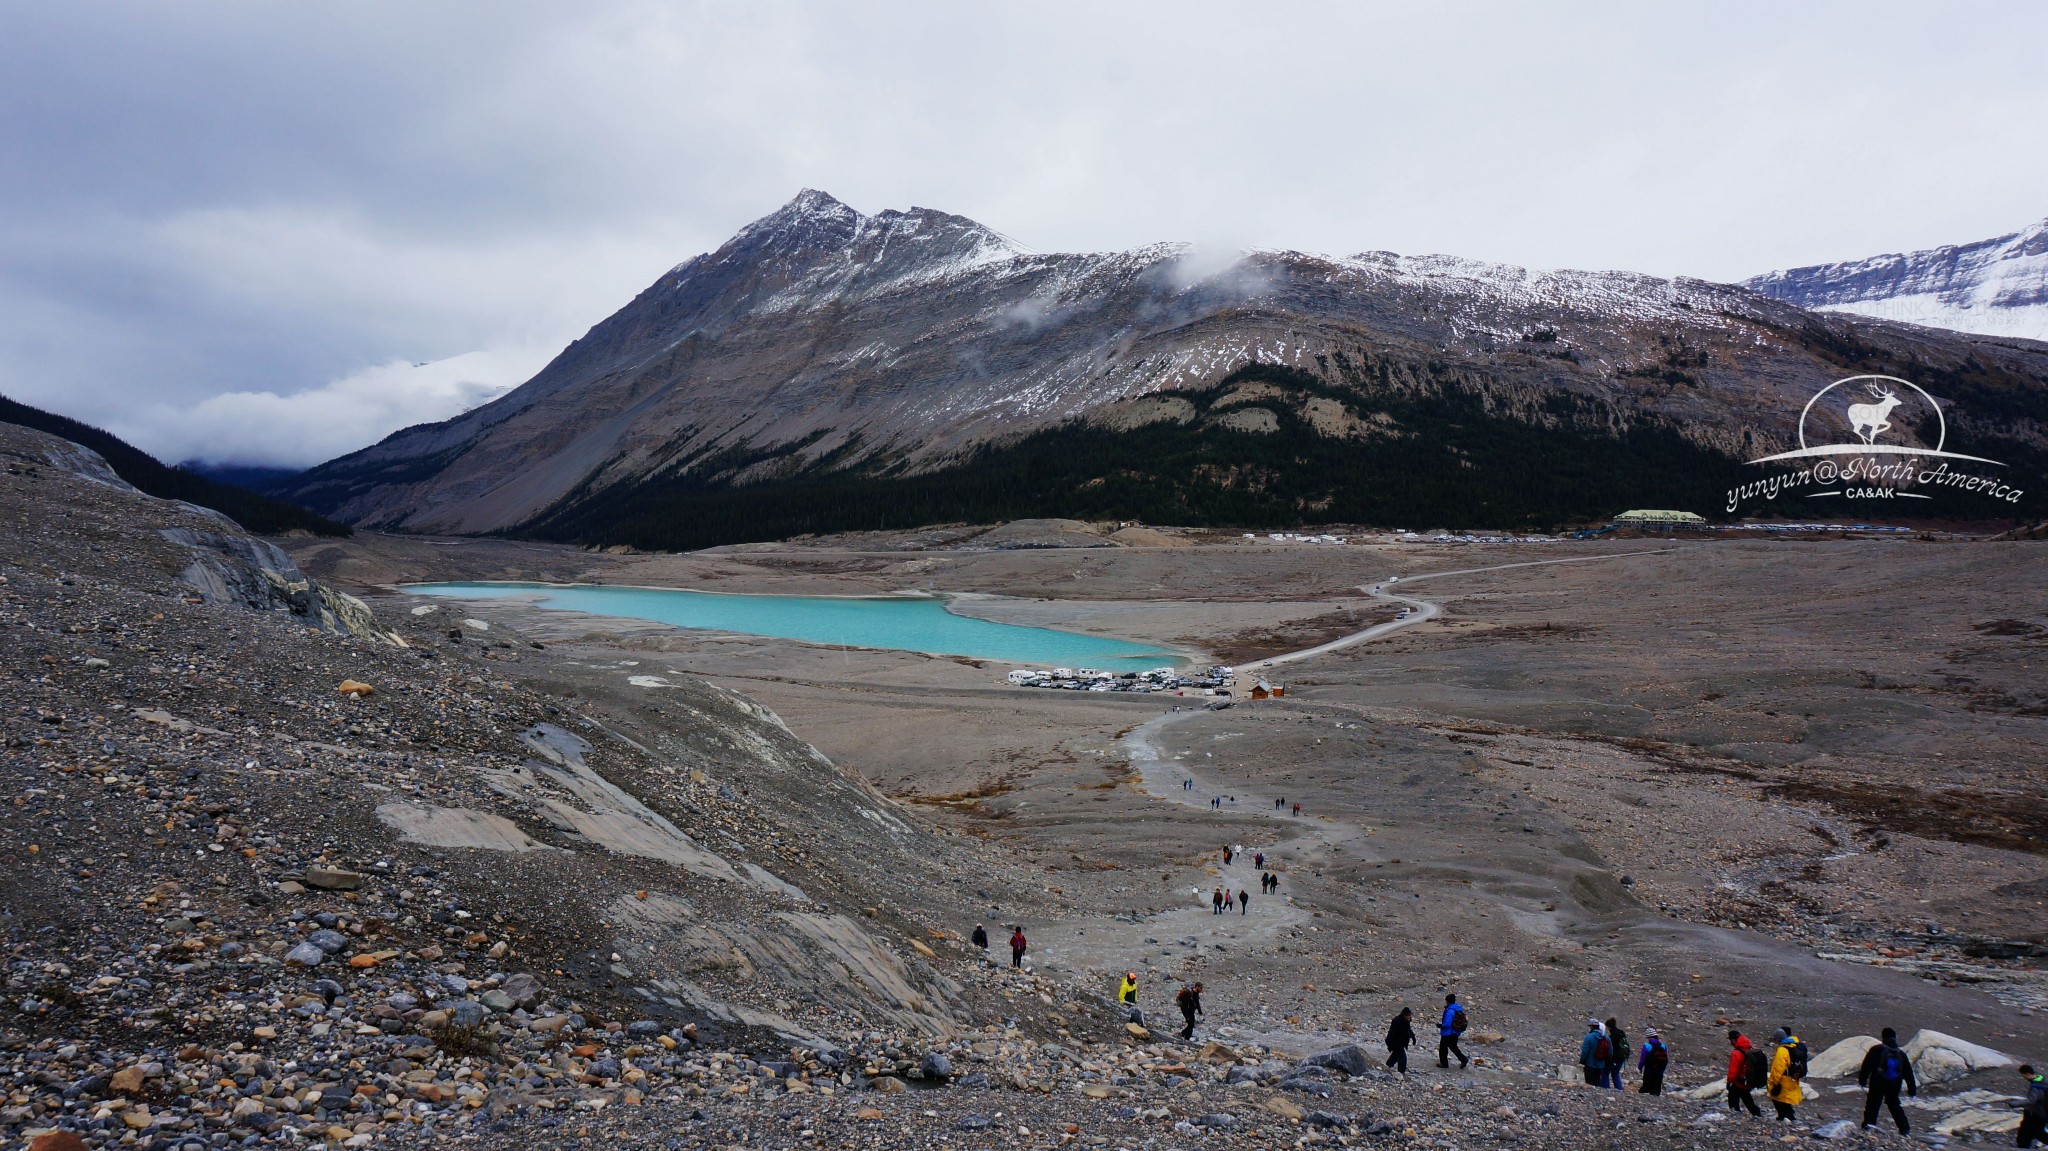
(1995, 287)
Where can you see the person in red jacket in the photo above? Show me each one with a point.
(1739, 1085)
(1017, 946)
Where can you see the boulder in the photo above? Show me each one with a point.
(1350, 1059)
(333, 879)
(1213, 1052)
(327, 940)
(887, 1084)
(1939, 1058)
(467, 1014)
(57, 1141)
(1137, 1032)
(1842, 1059)
(1283, 1108)
(936, 1067)
(305, 955)
(1839, 1129)
(356, 688)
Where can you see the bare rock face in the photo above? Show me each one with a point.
(820, 342)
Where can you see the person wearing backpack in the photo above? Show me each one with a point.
(2034, 1115)
(1655, 1057)
(1788, 1067)
(1452, 1026)
(1746, 1067)
(1595, 1052)
(1400, 1037)
(1190, 1002)
(1617, 1054)
(1885, 1069)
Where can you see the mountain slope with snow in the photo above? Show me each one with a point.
(826, 368)
(1995, 287)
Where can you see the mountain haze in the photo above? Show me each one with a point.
(826, 369)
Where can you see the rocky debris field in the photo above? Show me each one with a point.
(291, 871)
(273, 875)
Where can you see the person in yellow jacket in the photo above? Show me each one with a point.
(1788, 1067)
(1127, 991)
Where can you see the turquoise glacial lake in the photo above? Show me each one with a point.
(904, 623)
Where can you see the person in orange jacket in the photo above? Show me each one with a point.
(1739, 1083)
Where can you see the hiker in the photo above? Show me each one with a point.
(980, 937)
(1244, 900)
(1127, 991)
(1655, 1057)
(1400, 1037)
(1617, 1054)
(1259, 861)
(1017, 945)
(1885, 1068)
(1788, 1067)
(1452, 1026)
(1297, 809)
(1595, 1052)
(1216, 902)
(1190, 1002)
(1226, 857)
(1745, 1072)
(1280, 803)
(2034, 1116)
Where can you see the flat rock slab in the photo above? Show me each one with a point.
(456, 827)
(333, 879)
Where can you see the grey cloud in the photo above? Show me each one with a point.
(208, 202)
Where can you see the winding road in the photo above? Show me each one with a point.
(1159, 940)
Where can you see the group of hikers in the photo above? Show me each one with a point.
(1604, 1053)
(1018, 944)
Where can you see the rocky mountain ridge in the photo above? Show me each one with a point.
(821, 344)
(1994, 287)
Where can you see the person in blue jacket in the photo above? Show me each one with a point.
(1453, 1025)
(1596, 1051)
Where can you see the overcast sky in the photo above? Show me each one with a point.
(231, 229)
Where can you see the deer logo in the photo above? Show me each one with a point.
(1870, 420)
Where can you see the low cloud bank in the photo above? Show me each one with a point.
(307, 427)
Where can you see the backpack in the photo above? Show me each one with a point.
(1756, 1068)
(1603, 1052)
(1795, 1067)
(1891, 1067)
(1458, 1020)
(1656, 1059)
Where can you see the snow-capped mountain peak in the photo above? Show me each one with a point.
(1996, 287)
